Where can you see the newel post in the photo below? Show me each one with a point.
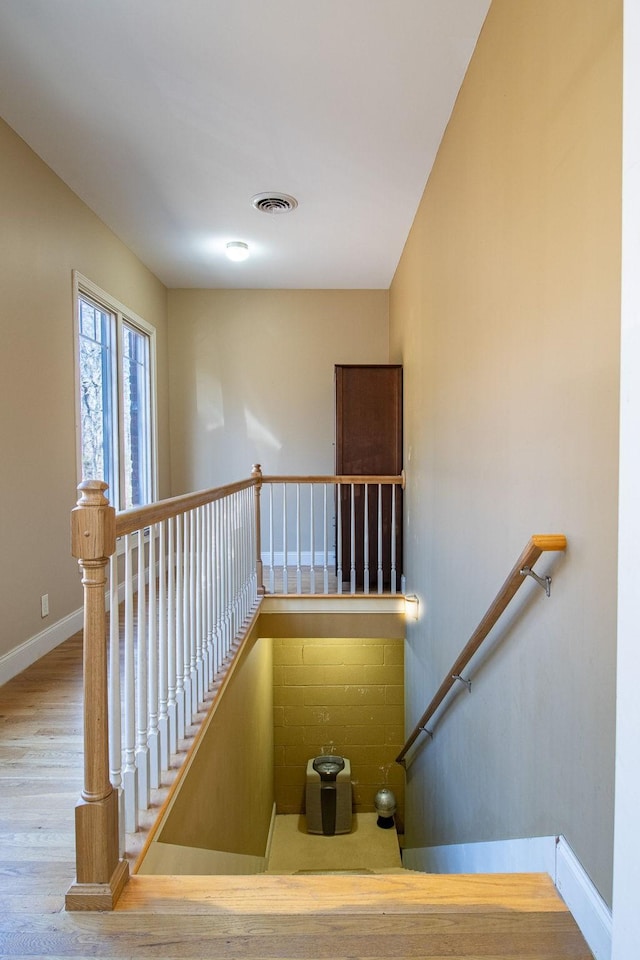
(256, 473)
(100, 874)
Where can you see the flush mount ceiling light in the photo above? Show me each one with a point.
(237, 250)
(274, 202)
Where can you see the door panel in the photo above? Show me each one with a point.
(369, 442)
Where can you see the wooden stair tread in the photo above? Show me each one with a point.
(399, 893)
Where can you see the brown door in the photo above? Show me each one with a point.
(369, 442)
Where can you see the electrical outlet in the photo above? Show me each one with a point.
(44, 605)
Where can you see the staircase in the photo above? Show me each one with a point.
(403, 914)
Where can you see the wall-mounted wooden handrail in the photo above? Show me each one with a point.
(537, 545)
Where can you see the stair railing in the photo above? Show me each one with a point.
(331, 534)
(184, 580)
(523, 567)
(183, 575)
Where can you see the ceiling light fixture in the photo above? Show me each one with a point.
(237, 250)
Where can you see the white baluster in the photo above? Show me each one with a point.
(222, 567)
(181, 695)
(142, 685)
(272, 582)
(235, 533)
(246, 537)
(353, 539)
(237, 538)
(216, 573)
(163, 652)
(243, 555)
(366, 538)
(209, 592)
(152, 619)
(393, 539)
(256, 539)
(197, 608)
(172, 706)
(325, 538)
(187, 633)
(298, 543)
(312, 546)
(115, 705)
(130, 772)
(380, 571)
(193, 638)
(285, 573)
(228, 569)
(339, 537)
(246, 566)
(252, 548)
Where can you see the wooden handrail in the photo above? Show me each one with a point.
(537, 545)
(359, 479)
(139, 517)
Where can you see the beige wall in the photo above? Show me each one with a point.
(505, 310)
(252, 377)
(341, 696)
(45, 233)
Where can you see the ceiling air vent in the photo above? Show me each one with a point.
(274, 202)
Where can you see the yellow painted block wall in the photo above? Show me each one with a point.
(343, 696)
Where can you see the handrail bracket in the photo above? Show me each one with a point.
(544, 582)
(467, 683)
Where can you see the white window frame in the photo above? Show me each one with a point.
(82, 285)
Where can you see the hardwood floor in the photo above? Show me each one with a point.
(397, 915)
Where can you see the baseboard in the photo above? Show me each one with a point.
(529, 855)
(15, 661)
(551, 855)
(22, 656)
(292, 558)
(587, 906)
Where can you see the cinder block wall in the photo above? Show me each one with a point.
(343, 696)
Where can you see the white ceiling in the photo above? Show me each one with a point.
(167, 116)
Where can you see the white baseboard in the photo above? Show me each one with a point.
(551, 855)
(587, 906)
(292, 558)
(15, 661)
(530, 855)
(22, 656)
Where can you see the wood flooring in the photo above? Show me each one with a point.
(254, 918)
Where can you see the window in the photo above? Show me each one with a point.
(116, 400)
